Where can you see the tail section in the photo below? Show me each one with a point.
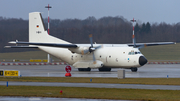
(37, 31)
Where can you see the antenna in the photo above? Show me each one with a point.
(48, 15)
(133, 36)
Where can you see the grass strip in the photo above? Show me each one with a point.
(91, 93)
(149, 81)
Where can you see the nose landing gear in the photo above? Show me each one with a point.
(134, 69)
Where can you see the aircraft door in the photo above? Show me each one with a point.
(103, 58)
(101, 55)
(112, 58)
(72, 58)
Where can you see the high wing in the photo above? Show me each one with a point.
(79, 49)
(20, 47)
(83, 45)
(42, 44)
(141, 45)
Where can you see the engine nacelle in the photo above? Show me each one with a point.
(80, 50)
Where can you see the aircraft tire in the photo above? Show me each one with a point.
(88, 69)
(84, 69)
(134, 69)
(104, 69)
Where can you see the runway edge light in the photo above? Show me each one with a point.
(61, 92)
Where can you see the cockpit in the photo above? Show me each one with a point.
(133, 53)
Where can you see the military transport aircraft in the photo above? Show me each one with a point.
(84, 57)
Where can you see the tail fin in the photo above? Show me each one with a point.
(37, 32)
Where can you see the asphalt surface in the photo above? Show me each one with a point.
(94, 85)
(5, 98)
(147, 71)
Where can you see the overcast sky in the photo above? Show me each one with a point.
(144, 10)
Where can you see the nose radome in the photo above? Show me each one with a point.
(142, 60)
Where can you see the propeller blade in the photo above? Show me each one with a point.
(94, 59)
(91, 40)
(133, 36)
(142, 46)
(134, 41)
(100, 46)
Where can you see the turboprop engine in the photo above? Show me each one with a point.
(80, 50)
(86, 50)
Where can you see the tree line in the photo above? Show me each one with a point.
(112, 30)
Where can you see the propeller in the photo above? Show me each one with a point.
(133, 37)
(91, 48)
(142, 46)
(134, 41)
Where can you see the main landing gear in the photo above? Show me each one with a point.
(84, 69)
(104, 69)
(134, 69)
(100, 69)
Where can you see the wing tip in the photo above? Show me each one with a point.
(12, 42)
(7, 46)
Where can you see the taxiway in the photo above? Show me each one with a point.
(94, 85)
(147, 71)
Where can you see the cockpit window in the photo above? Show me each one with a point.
(133, 53)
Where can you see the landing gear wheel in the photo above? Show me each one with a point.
(80, 69)
(104, 69)
(84, 69)
(88, 69)
(134, 69)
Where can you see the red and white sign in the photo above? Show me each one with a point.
(68, 69)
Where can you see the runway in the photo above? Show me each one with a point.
(94, 85)
(147, 71)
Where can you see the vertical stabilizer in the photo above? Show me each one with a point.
(37, 32)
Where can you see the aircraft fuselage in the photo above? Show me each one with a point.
(113, 57)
